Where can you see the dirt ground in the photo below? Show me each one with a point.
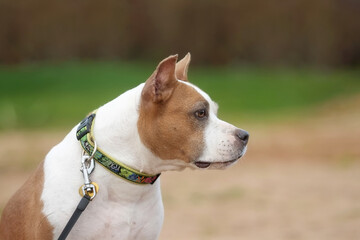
(300, 179)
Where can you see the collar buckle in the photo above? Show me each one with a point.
(85, 127)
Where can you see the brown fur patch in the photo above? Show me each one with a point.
(22, 217)
(170, 129)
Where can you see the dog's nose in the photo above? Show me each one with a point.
(242, 135)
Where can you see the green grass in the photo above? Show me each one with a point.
(60, 94)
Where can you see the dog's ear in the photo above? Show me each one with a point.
(182, 66)
(160, 85)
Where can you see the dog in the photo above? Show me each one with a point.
(164, 124)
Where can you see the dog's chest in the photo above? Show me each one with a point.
(108, 219)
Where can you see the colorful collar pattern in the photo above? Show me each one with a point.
(84, 135)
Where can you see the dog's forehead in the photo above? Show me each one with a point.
(213, 105)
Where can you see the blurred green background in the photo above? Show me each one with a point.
(59, 95)
(258, 59)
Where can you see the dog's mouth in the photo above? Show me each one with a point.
(220, 164)
(204, 164)
(201, 164)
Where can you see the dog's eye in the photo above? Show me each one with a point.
(201, 114)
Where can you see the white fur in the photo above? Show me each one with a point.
(121, 210)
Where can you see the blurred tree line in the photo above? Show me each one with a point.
(301, 32)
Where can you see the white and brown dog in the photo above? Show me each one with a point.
(163, 124)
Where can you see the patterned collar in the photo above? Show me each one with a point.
(85, 136)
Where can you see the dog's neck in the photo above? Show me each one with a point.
(115, 131)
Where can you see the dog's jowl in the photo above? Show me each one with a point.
(164, 124)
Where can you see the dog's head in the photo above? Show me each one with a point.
(179, 121)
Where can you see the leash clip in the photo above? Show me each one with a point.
(87, 167)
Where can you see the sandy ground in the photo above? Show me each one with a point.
(299, 180)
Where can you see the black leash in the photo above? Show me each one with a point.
(89, 189)
(78, 211)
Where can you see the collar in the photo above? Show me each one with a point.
(85, 135)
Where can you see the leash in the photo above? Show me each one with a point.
(78, 211)
(87, 191)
